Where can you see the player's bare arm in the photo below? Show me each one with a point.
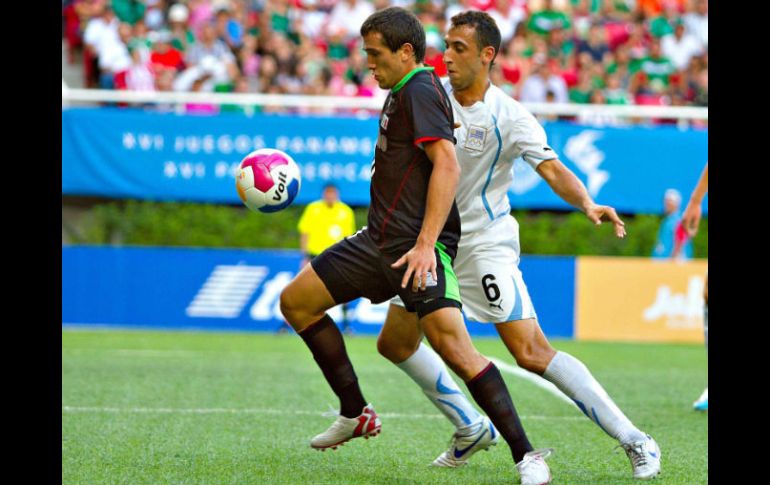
(567, 186)
(692, 213)
(421, 259)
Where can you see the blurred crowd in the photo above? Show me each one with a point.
(647, 52)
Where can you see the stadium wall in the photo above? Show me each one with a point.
(125, 153)
(631, 299)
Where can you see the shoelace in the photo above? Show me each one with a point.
(456, 435)
(532, 457)
(635, 451)
(331, 413)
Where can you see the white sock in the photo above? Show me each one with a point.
(574, 379)
(426, 368)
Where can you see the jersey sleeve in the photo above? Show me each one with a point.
(430, 113)
(530, 141)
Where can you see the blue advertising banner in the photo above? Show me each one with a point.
(214, 289)
(165, 156)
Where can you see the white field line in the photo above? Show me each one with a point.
(503, 366)
(534, 379)
(279, 412)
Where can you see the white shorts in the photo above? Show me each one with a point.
(492, 289)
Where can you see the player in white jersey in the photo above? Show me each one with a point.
(493, 131)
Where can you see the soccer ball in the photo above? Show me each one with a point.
(267, 180)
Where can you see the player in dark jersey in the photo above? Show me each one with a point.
(408, 245)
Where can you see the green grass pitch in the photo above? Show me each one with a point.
(142, 407)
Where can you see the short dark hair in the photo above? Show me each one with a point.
(397, 27)
(487, 32)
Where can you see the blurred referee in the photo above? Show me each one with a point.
(324, 223)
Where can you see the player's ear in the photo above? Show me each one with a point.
(407, 51)
(487, 55)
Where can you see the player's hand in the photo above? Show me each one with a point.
(420, 260)
(691, 218)
(600, 213)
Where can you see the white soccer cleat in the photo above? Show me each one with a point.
(702, 404)
(483, 436)
(533, 470)
(344, 429)
(645, 458)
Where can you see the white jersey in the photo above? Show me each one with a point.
(492, 134)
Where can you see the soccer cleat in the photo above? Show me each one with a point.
(344, 429)
(645, 457)
(702, 404)
(463, 446)
(533, 470)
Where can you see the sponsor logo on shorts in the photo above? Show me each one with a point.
(429, 281)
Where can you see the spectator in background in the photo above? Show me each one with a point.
(227, 29)
(114, 58)
(293, 32)
(614, 93)
(99, 33)
(346, 18)
(141, 40)
(596, 44)
(547, 19)
(129, 11)
(542, 80)
(182, 36)
(512, 64)
(164, 56)
(697, 22)
(560, 48)
(680, 46)
(673, 241)
(219, 60)
(153, 14)
(200, 12)
(663, 24)
(638, 40)
(652, 74)
(508, 16)
(248, 58)
(139, 76)
(581, 92)
(324, 223)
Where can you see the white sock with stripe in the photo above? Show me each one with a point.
(426, 368)
(574, 379)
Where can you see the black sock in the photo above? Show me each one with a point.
(325, 342)
(490, 392)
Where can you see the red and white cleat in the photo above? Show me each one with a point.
(344, 429)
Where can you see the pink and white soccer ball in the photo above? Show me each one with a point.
(267, 180)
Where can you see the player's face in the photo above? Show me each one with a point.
(464, 60)
(386, 66)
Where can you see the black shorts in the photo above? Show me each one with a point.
(355, 267)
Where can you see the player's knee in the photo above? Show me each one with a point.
(534, 357)
(290, 304)
(393, 350)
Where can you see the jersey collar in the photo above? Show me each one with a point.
(409, 76)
